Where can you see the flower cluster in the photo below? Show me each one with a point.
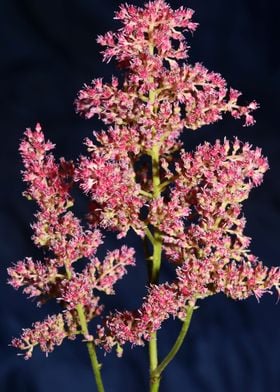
(112, 185)
(66, 240)
(188, 204)
(47, 334)
(159, 97)
(213, 182)
(135, 327)
(156, 21)
(36, 277)
(202, 227)
(196, 279)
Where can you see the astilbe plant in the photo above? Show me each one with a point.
(184, 205)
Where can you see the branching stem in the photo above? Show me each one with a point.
(177, 345)
(154, 269)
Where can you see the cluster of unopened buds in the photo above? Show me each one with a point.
(186, 206)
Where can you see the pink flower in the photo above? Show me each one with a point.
(97, 275)
(112, 185)
(135, 327)
(79, 291)
(156, 21)
(104, 275)
(38, 278)
(48, 181)
(47, 334)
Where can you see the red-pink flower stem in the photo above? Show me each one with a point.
(96, 366)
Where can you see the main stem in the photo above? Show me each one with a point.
(156, 240)
(153, 352)
(96, 366)
(154, 275)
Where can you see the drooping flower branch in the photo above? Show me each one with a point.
(185, 206)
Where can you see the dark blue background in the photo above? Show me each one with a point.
(48, 51)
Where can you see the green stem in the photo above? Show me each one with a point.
(177, 345)
(154, 272)
(147, 194)
(155, 170)
(155, 368)
(149, 235)
(96, 366)
(157, 241)
(153, 353)
(154, 275)
(156, 261)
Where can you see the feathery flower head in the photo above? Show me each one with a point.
(188, 204)
(61, 233)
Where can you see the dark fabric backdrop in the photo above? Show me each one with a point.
(48, 51)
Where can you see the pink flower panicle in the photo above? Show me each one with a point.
(47, 334)
(48, 182)
(104, 275)
(135, 178)
(112, 185)
(185, 96)
(203, 207)
(202, 230)
(60, 232)
(135, 327)
(64, 236)
(38, 279)
(101, 276)
(155, 22)
(240, 280)
(196, 279)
